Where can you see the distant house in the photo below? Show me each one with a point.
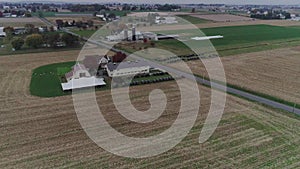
(6, 15)
(19, 31)
(6, 7)
(165, 20)
(127, 68)
(2, 33)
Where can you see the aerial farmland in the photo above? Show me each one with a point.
(46, 47)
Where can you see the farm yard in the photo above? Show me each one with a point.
(45, 131)
(46, 80)
(272, 72)
(20, 22)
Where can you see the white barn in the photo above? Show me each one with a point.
(127, 68)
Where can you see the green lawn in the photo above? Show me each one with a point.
(45, 81)
(193, 20)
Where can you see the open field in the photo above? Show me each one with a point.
(249, 37)
(285, 23)
(20, 22)
(273, 72)
(223, 18)
(243, 39)
(44, 132)
(194, 20)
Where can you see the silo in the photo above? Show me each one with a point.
(133, 34)
(126, 35)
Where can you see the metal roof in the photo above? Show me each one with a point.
(83, 82)
(127, 64)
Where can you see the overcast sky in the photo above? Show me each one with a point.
(264, 2)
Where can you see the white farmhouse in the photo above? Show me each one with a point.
(127, 68)
(79, 78)
(78, 71)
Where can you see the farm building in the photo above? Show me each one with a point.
(19, 31)
(150, 35)
(119, 57)
(127, 68)
(165, 20)
(78, 71)
(126, 35)
(162, 37)
(79, 77)
(84, 82)
(132, 35)
(93, 62)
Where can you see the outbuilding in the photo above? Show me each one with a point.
(127, 68)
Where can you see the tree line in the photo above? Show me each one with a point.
(33, 38)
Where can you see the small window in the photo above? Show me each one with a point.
(82, 74)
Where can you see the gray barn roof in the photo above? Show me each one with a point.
(124, 65)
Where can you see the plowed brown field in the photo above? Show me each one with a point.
(272, 72)
(45, 133)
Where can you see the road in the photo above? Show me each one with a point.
(214, 85)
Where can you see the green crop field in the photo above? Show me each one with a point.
(237, 35)
(246, 39)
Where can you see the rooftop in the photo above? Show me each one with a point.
(124, 65)
(83, 83)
